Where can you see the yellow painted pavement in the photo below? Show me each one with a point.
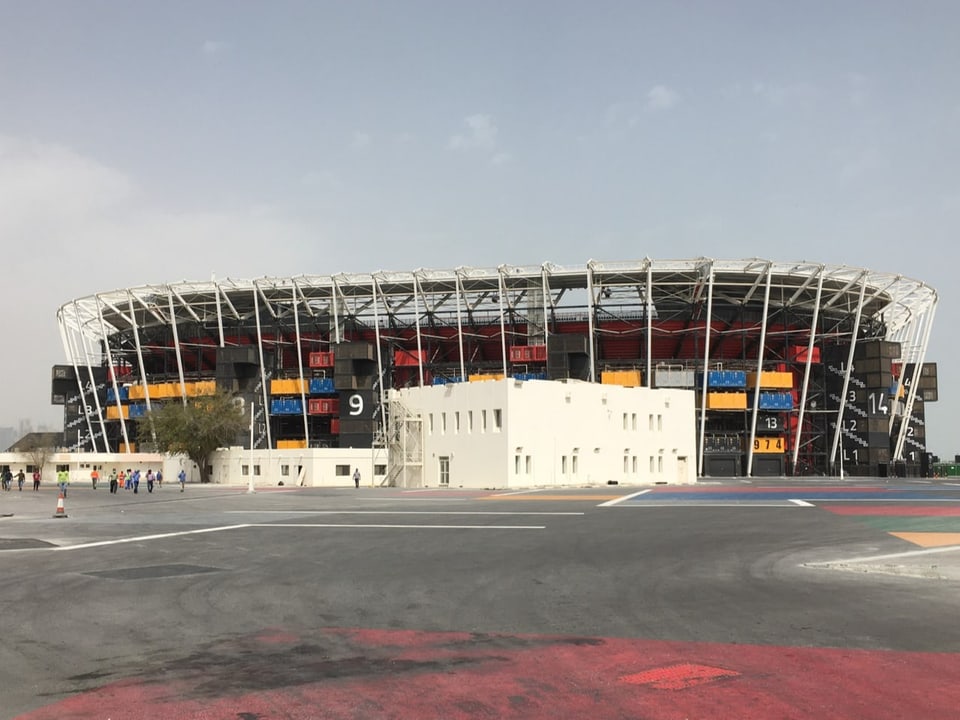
(540, 496)
(929, 539)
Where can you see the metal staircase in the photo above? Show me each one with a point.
(404, 445)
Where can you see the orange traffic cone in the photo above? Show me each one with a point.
(61, 512)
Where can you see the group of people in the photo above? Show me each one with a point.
(130, 480)
(7, 476)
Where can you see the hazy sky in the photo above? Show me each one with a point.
(146, 142)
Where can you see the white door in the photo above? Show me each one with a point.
(444, 470)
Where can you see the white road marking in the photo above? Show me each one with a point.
(390, 512)
(744, 504)
(802, 503)
(141, 538)
(519, 492)
(892, 556)
(405, 527)
(613, 502)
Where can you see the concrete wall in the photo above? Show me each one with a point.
(555, 433)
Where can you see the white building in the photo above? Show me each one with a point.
(512, 434)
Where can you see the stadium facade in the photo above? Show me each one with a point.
(798, 368)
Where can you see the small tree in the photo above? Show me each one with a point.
(37, 451)
(196, 429)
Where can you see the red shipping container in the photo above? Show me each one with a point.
(320, 360)
(334, 426)
(798, 353)
(407, 358)
(528, 353)
(323, 406)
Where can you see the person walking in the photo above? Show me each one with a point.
(150, 479)
(114, 481)
(159, 478)
(36, 480)
(63, 481)
(182, 477)
(20, 478)
(6, 477)
(356, 477)
(94, 477)
(136, 481)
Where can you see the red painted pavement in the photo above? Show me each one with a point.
(894, 510)
(336, 673)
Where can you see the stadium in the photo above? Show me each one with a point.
(795, 368)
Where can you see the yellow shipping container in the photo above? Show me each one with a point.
(769, 379)
(128, 448)
(135, 392)
(479, 377)
(291, 444)
(726, 401)
(626, 378)
(113, 412)
(288, 386)
(204, 387)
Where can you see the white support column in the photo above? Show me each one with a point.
(918, 366)
(591, 303)
(848, 371)
(216, 289)
(113, 375)
(263, 370)
(335, 308)
(706, 370)
(547, 302)
(416, 312)
(84, 354)
(303, 381)
(143, 371)
(87, 354)
(756, 388)
(649, 314)
(176, 346)
(374, 286)
(798, 438)
(460, 300)
(503, 328)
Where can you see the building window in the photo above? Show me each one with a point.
(651, 464)
(379, 469)
(574, 465)
(529, 465)
(626, 464)
(256, 469)
(563, 465)
(624, 421)
(633, 421)
(516, 464)
(469, 421)
(456, 422)
(483, 421)
(651, 422)
(660, 423)
(284, 470)
(660, 464)
(244, 470)
(342, 470)
(443, 423)
(431, 423)
(497, 419)
(634, 464)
